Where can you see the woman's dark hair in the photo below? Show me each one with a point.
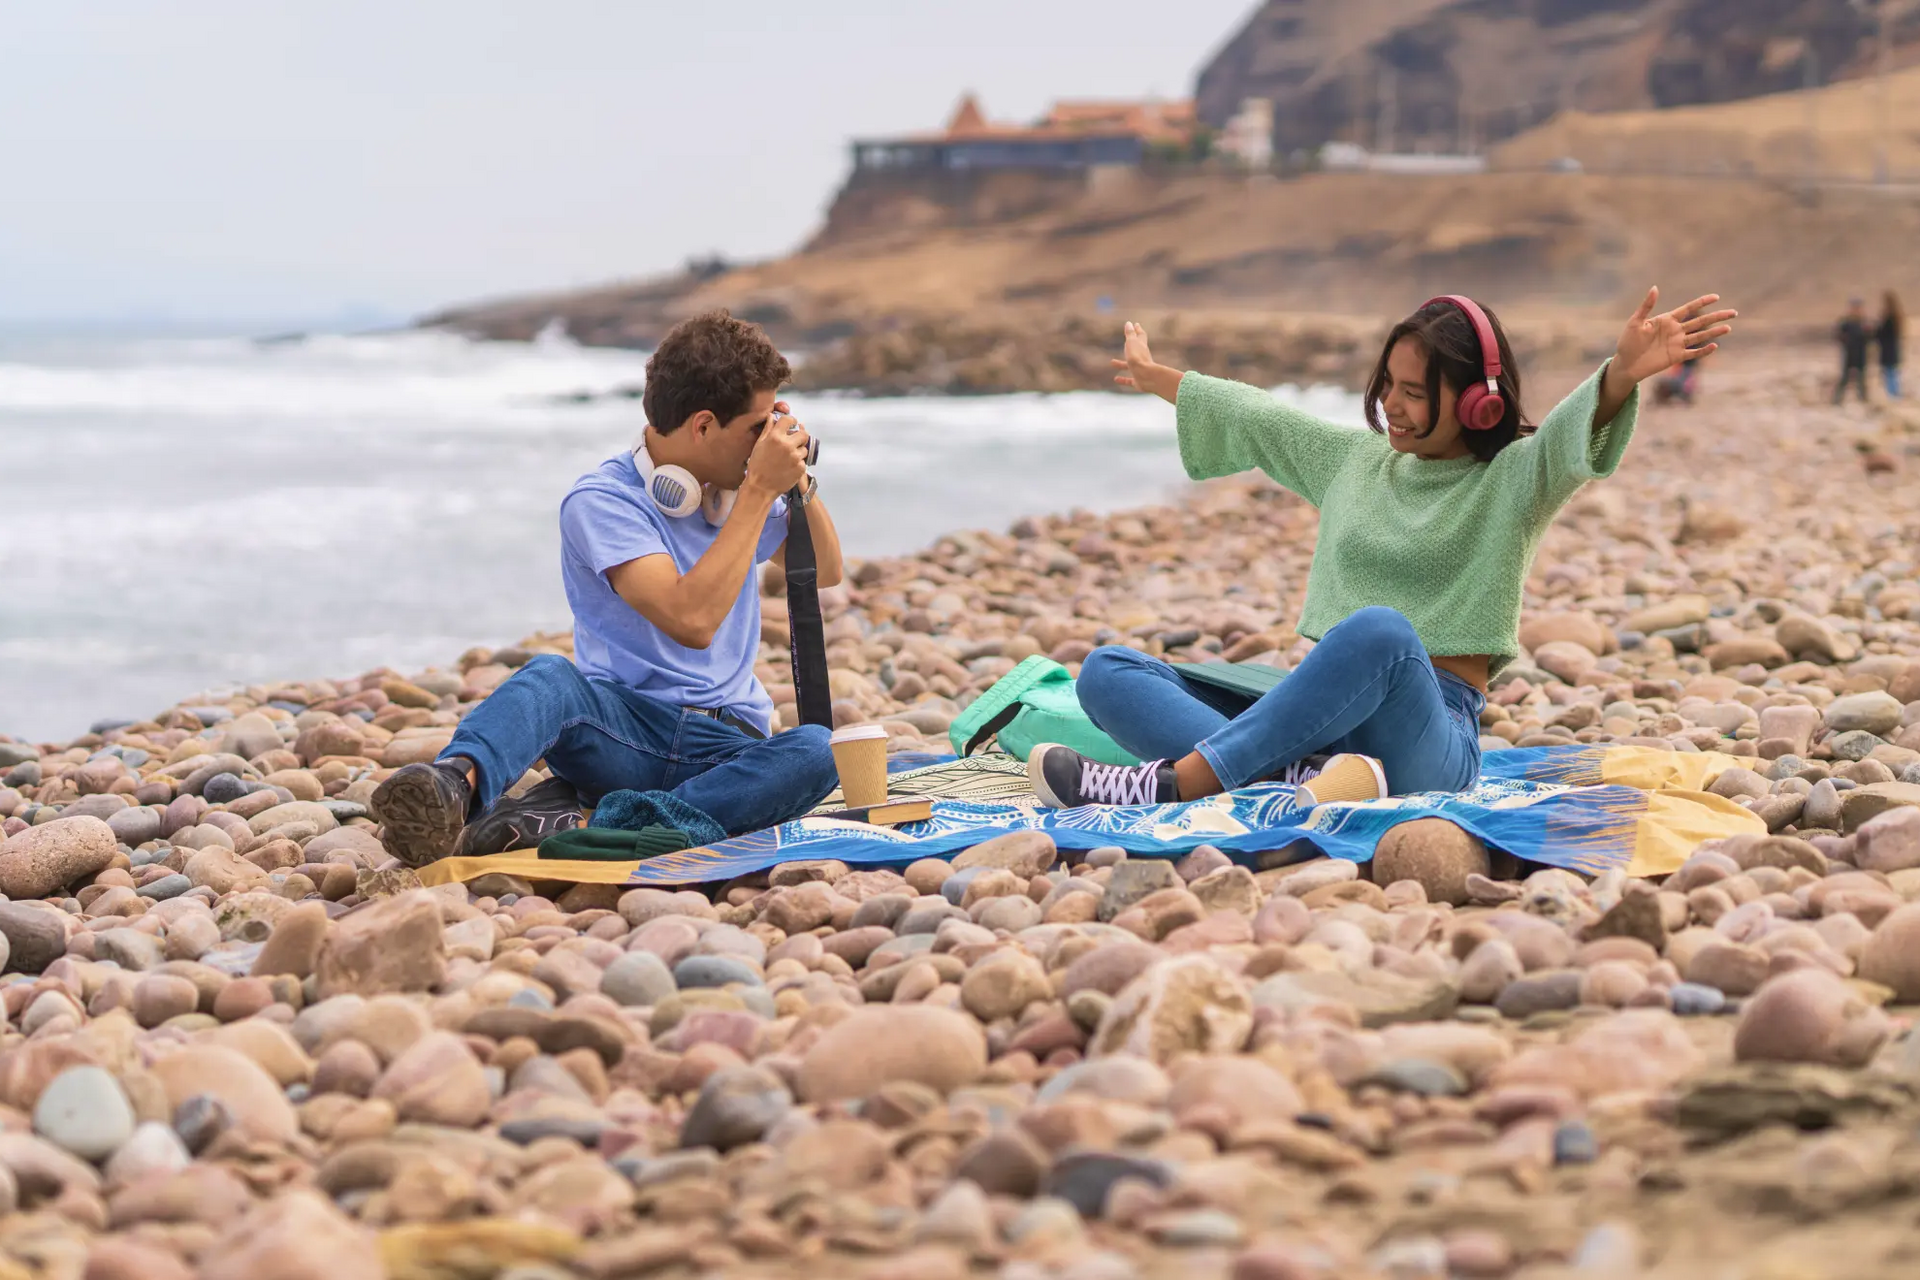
(711, 362)
(1890, 309)
(1453, 354)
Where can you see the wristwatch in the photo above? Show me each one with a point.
(808, 489)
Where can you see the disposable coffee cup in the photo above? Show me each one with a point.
(860, 755)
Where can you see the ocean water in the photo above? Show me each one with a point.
(181, 515)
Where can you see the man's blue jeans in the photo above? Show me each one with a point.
(1367, 687)
(602, 737)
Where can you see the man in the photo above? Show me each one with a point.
(661, 697)
(1853, 335)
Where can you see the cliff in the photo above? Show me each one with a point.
(1448, 74)
(1568, 250)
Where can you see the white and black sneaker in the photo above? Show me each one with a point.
(1299, 772)
(1065, 779)
(522, 822)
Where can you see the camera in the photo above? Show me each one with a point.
(813, 442)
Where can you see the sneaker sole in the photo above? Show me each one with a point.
(1038, 779)
(416, 825)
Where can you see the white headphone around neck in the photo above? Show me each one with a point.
(676, 493)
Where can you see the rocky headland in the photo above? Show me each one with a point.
(240, 1041)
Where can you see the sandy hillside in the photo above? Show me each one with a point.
(1829, 132)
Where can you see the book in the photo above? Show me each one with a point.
(891, 812)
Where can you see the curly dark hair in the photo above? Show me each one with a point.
(1453, 353)
(713, 362)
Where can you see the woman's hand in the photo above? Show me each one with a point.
(1138, 372)
(1655, 343)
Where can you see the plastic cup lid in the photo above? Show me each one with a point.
(859, 733)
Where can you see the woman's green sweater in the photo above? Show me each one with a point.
(1447, 543)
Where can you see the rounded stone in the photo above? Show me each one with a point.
(346, 1066)
(1436, 854)
(1891, 956)
(1791, 1018)
(927, 875)
(736, 1106)
(878, 1044)
(1003, 985)
(199, 1119)
(293, 948)
(637, 978)
(1693, 1000)
(1539, 993)
(222, 788)
(714, 971)
(1876, 713)
(135, 826)
(47, 858)
(1420, 1076)
(1574, 1142)
(153, 1148)
(161, 888)
(85, 1111)
(160, 996)
(242, 998)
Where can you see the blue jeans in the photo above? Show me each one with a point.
(1367, 687)
(1890, 374)
(602, 737)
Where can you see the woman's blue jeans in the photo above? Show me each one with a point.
(1367, 687)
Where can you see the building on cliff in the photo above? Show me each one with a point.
(1072, 135)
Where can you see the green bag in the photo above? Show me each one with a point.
(1035, 703)
(1032, 704)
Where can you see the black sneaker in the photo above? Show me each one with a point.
(1065, 779)
(522, 822)
(421, 810)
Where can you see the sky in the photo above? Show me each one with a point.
(207, 159)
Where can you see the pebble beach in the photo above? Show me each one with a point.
(241, 1041)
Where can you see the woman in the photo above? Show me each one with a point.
(1428, 526)
(1890, 336)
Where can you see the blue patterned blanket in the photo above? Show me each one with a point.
(1547, 804)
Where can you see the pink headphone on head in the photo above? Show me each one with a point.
(1479, 408)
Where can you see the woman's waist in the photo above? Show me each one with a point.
(1470, 655)
(1469, 672)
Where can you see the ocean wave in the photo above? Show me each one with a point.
(429, 375)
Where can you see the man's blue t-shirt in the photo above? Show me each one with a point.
(606, 519)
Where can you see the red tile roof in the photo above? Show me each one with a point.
(1151, 121)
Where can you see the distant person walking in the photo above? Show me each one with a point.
(1677, 384)
(1853, 335)
(1890, 336)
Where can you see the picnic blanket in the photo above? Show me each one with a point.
(1585, 808)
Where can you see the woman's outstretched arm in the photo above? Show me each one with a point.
(1653, 344)
(1227, 427)
(1584, 437)
(1138, 370)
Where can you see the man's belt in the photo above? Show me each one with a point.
(727, 717)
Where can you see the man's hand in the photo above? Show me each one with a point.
(779, 458)
(1138, 372)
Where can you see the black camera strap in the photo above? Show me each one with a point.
(807, 641)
